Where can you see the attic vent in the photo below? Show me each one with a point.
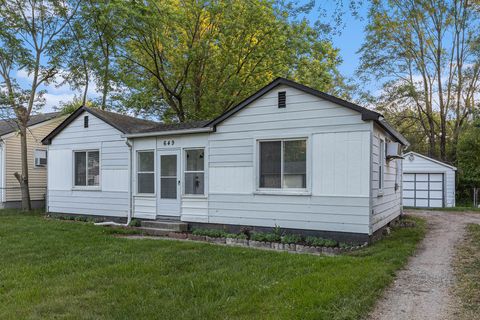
(85, 122)
(282, 99)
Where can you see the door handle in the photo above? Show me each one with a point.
(178, 182)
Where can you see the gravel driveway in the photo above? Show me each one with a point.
(423, 289)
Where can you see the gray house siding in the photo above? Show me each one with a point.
(336, 136)
(111, 197)
(386, 203)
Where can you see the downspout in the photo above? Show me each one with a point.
(130, 202)
(129, 212)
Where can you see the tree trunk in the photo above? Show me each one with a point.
(23, 177)
(106, 75)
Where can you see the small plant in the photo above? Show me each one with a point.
(344, 245)
(246, 231)
(292, 238)
(330, 243)
(213, 233)
(265, 237)
(135, 223)
(315, 241)
(277, 231)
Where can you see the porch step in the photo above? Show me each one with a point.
(170, 226)
(154, 231)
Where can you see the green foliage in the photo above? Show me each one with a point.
(292, 238)
(265, 237)
(468, 156)
(214, 233)
(135, 223)
(196, 60)
(320, 242)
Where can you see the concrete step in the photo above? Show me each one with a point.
(175, 226)
(154, 231)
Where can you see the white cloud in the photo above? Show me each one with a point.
(55, 95)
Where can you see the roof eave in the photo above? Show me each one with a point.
(169, 132)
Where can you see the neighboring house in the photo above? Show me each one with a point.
(10, 159)
(427, 182)
(288, 155)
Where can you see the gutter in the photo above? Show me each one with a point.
(168, 132)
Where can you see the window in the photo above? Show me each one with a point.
(194, 172)
(283, 164)
(85, 122)
(381, 165)
(87, 168)
(40, 158)
(146, 172)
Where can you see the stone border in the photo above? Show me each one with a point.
(275, 246)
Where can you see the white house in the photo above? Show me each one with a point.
(427, 182)
(288, 155)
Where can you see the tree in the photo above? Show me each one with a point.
(93, 36)
(31, 35)
(468, 158)
(427, 52)
(187, 60)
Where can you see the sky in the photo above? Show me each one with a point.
(348, 42)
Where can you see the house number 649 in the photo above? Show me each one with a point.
(168, 142)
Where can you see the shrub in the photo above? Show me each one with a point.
(265, 237)
(213, 233)
(292, 238)
(315, 241)
(135, 223)
(330, 243)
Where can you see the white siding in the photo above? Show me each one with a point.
(338, 154)
(148, 206)
(386, 203)
(423, 165)
(111, 198)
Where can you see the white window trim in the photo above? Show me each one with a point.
(154, 174)
(381, 166)
(283, 191)
(184, 171)
(34, 158)
(89, 188)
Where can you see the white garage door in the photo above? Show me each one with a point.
(423, 190)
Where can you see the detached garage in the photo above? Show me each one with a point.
(427, 183)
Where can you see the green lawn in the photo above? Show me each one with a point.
(72, 270)
(467, 267)
(452, 209)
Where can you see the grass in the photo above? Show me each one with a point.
(467, 268)
(74, 270)
(453, 209)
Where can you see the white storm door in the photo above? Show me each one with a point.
(169, 183)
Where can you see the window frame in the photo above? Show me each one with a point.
(381, 166)
(137, 165)
(87, 187)
(185, 171)
(35, 158)
(282, 190)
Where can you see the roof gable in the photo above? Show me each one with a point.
(365, 113)
(429, 159)
(123, 123)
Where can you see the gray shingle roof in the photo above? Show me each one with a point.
(124, 123)
(10, 125)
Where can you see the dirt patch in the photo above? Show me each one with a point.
(423, 290)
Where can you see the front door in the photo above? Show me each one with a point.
(169, 195)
